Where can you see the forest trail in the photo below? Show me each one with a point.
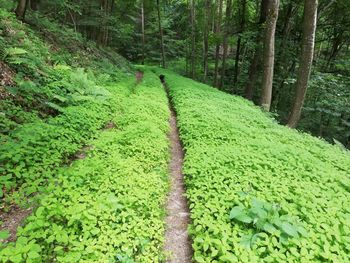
(177, 240)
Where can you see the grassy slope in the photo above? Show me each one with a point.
(56, 99)
(64, 90)
(235, 153)
(109, 206)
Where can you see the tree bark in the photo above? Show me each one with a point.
(161, 34)
(143, 31)
(193, 39)
(283, 65)
(225, 44)
(337, 44)
(253, 68)
(238, 48)
(306, 57)
(217, 49)
(34, 4)
(269, 54)
(206, 39)
(21, 9)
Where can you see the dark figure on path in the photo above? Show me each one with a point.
(162, 78)
(139, 76)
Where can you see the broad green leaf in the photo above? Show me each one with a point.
(302, 231)
(244, 218)
(268, 227)
(289, 229)
(4, 234)
(237, 210)
(229, 258)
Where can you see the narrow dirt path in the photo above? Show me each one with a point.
(177, 241)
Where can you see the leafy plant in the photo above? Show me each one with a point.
(264, 216)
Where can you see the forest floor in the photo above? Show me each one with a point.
(177, 240)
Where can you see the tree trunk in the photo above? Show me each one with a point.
(238, 48)
(227, 32)
(206, 39)
(283, 65)
(253, 68)
(21, 9)
(161, 34)
(306, 56)
(143, 32)
(337, 44)
(193, 39)
(217, 49)
(34, 4)
(269, 54)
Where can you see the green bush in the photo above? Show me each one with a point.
(235, 153)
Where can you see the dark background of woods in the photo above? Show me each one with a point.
(262, 50)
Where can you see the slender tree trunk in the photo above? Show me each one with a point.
(238, 48)
(336, 46)
(21, 9)
(161, 34)
(143, 32)
(307, 51)
(34, 4)
(225, 44)
(217, 49)
(269, 54)
(253, 68)
(193, 39)
(283, 65)
(206, 39)
(187, 41)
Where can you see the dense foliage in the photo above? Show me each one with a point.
(84, 152)
(258, 191)
(108, 206)
(55, 99)
(218, 42)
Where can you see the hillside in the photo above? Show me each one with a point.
(258, 191)
(103, 161)
(54, 96)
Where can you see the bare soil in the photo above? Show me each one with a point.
(177, 241)
(7, 76)
(12, 219)
(109, 125)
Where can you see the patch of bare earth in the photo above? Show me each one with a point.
(7, 76)
(109, 125)
(12, 220)
(177, 241)
(82, 153)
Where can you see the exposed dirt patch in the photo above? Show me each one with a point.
(82, 153)
(7, 76)
(13, 219)
(177, 241)
(109, 125)
(139, 77)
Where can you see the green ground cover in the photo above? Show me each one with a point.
(107, 207)
(54, 100)
(258, 191)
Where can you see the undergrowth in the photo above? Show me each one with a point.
(57, 99)
(258, 191)
(107, 207)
